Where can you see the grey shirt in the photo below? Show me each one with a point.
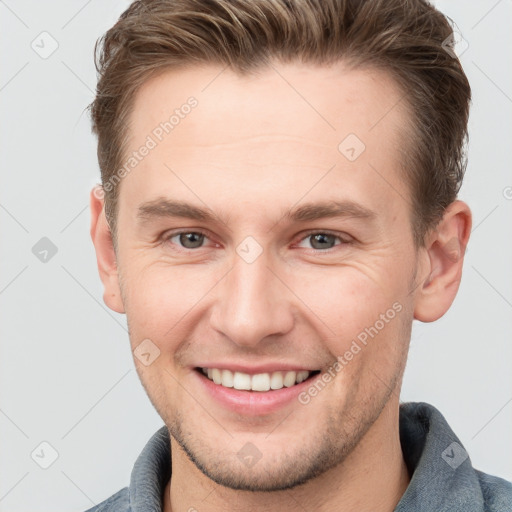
(442, 476)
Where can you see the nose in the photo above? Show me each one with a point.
(252, 304)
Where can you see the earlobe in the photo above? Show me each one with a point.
(105, 253)
(445, 247)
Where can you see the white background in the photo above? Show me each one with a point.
(66, 371)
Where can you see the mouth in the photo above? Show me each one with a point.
(259, 382)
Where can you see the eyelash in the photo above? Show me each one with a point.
(304, 236)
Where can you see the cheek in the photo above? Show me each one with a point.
(359, 317)
(346, 299)
(160, 298)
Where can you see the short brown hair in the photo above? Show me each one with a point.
(406, 38)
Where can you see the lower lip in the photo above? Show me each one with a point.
(253, 403)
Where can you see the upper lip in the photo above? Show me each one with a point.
(260, 368)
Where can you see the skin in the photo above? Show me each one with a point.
(254, 148)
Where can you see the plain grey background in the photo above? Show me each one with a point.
(66, 372)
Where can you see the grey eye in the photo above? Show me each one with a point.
(191, 240)
(322, 241)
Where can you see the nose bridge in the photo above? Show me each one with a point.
(252, 303)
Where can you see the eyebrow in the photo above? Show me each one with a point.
(330, 209)
(162, 208)
(165, 208)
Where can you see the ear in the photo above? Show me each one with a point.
(445, 247)
(105, 254)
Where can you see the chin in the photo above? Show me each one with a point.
(268, 471)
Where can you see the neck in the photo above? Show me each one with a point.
(372, 478)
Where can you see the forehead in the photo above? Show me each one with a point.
(281, 123)
(327, 100)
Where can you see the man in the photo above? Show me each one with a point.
(278, 204)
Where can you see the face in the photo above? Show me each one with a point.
(266, 238)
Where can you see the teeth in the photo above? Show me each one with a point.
(302, 376)
(260, 382)
(257, 382)
(216, 376)
(289, 379)
(276, 380)
(241, 381)
(227, 378)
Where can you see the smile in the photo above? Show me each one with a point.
(258, 382)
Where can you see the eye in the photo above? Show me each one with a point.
(321, 240)
(188, 239)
